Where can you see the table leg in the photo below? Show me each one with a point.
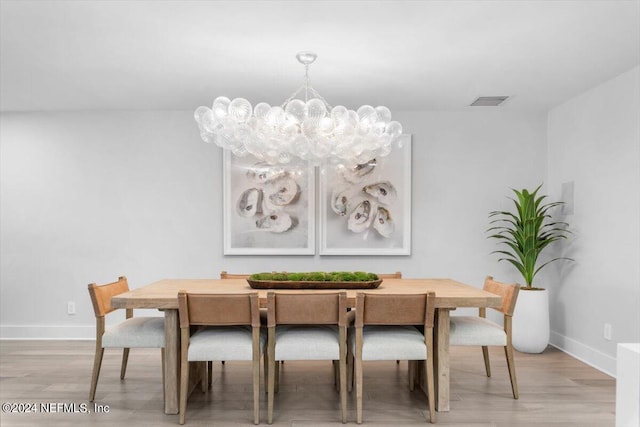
(441, 365)
(172, 362)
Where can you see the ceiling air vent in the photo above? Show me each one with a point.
(489, 101)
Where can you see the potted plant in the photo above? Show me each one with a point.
(525, 234)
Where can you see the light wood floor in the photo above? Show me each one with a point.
(555, 390)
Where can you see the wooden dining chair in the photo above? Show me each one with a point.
(396, 275)
(263, 317)
(351, 316)
(134, 332)
(225, 275)
(230, 330)
(479, 331)
(385, 329)
(306, 326)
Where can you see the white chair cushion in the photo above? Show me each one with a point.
(223, 343)
(309, 342)
(473, 330)
(390, 343)
(135, 332)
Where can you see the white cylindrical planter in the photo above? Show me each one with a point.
(531, 321)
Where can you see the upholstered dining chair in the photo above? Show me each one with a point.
(306, 326)
(134, 332)
(479, 331)
(225, 275)
(385, 329)
(396, 275)
(229, 330)
(263, 318)
(351, 316)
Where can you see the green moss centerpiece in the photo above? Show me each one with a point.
(315, 280)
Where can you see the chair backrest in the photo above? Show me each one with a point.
(396, 275)
(395, 309)
(225, 275)
(101, 295)
(307, 308)
(218, 309)
(508, 292)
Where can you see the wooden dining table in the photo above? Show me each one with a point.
(162, 295)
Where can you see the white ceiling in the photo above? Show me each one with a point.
(408, 55)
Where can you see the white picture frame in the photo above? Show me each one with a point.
(335, 235)
(248, 233)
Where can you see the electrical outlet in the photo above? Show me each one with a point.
(607, 331)
(71, 307)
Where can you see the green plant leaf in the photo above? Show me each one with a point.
(526, 231)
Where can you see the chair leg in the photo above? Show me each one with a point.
(431, 390)
(271, 390)
(266, 372)
(184, 389)
(336, 374)
(508, 351)
(209, 373)
(487, 366)
(256, 389)
(277, 378)
(271, 375)
(343, 387)
(412, 374)
(125, 359)
(358, 372)
(97, 363)
(204, 377)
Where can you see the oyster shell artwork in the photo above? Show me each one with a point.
(358, 172)
(276, 222)
(339, 202)
(383, 223)
(249, 203)
(360, 218)
(262, 172)
(281, 192)
(384, 191)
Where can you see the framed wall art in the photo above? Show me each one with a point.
(366, 210)
(268, 209)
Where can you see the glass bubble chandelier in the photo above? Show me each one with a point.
(309, 128)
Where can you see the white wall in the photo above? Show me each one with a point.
(88, 196)
(594, 141)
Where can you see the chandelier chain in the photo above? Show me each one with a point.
(306, 82)
(321, 98)
(307, 88)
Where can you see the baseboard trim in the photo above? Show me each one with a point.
(47, 332)
(592, 357)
